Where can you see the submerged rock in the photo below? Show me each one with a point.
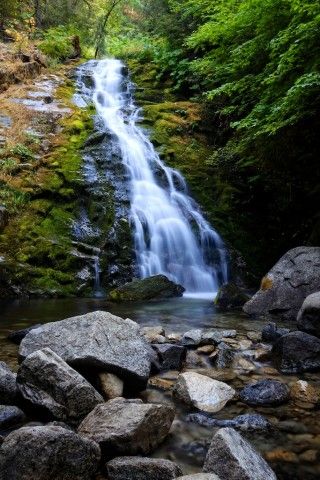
(231, 456)
(287, 284)
(48, 453)
(265, 393)
(47, 381)
(97, 340)
(8, 385)
(151, 288)
(202, 392)
(230, 297)
(10, 416)
(296, 352)
(308, 319)
(141, 468)
(127, 427)
(248, 422)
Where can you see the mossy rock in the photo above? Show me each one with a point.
(152, 288)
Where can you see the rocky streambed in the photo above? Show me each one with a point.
(95, 393)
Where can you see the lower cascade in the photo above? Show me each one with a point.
(171, 237)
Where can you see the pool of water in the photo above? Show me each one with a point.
(294, 443)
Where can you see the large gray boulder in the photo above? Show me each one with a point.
(231, 456)
(48, 453)
(287, 284)
(156, 287)
(296, 352)
(8, 385)
(47, 381)
(96, 340)
(308, 319)
(127, 427)
(202, 392)
(142, 468)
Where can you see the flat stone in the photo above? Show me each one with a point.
(142, 468)
(249, 422)
(202, 392)
(96, 340)
(265, 393)
(123, 427)
(48, 453)
(47, 381)
(231, 456)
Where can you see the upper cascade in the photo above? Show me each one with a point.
(171, 237)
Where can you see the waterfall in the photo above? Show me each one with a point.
(171, 236)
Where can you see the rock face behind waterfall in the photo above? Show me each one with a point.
(152, 288)
(287, 284)
(96, 340)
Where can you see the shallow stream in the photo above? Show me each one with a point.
(292, 447)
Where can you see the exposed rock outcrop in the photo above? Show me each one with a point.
(287, 284)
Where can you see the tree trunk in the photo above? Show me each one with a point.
(37, 13)
(102, 32)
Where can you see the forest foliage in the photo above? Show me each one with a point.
(254, 67)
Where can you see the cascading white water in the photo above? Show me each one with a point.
(171, 236)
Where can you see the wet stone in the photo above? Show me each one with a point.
(265, 393)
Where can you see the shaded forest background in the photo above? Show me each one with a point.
(253, 65)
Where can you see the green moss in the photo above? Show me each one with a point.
(37, 242)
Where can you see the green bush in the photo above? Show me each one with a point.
(56, 43)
